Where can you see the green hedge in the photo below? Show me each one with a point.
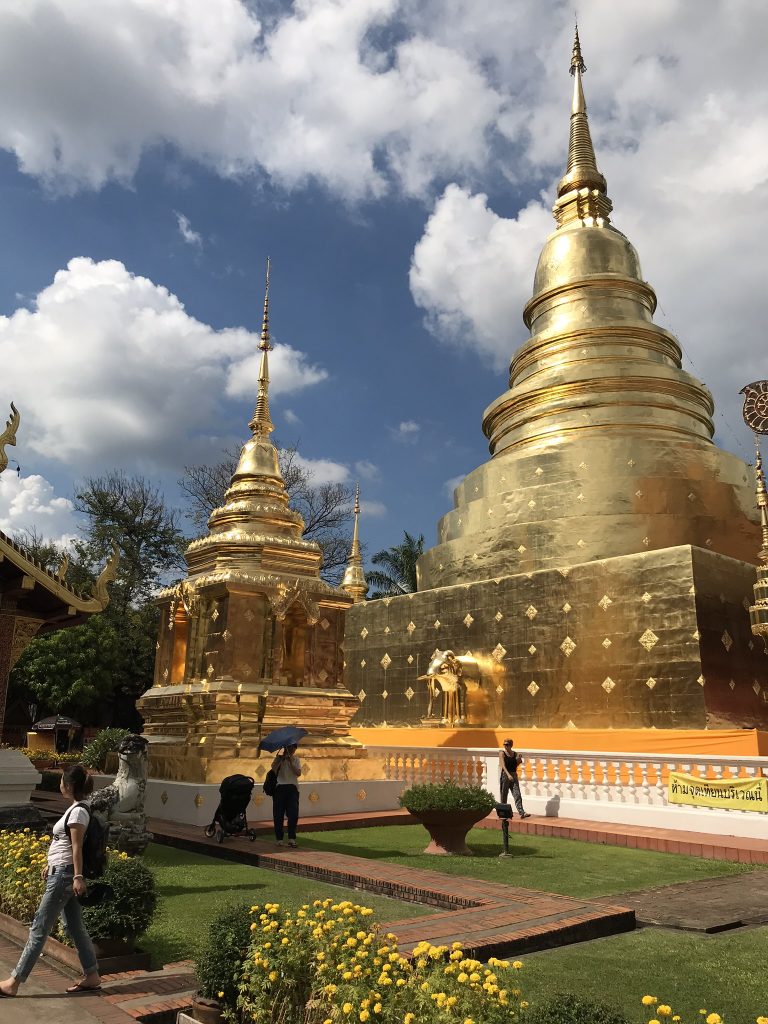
(446, 796)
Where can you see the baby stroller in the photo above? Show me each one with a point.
(230, 820)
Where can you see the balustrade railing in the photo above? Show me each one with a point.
(617, 778)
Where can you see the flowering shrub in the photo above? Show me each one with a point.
(24, 855)
(662, 1013)
(328, 962)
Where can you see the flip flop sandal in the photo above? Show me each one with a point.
(79, 987)
(7, 995)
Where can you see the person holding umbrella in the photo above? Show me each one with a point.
(287, 769)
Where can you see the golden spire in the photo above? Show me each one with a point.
(354, 581)
(262, 424)
(582, 190)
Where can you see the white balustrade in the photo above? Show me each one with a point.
(617, 787)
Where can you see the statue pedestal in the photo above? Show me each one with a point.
(18, 778)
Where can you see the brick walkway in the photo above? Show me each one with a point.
(640, 837)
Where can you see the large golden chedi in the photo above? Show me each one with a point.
(251, 639)
(600, 565)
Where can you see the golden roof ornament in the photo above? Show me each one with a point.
(755, 411)
(262, 424)
(354, 581)
(8, 436)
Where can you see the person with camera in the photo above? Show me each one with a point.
(509, 762)
(285, 802)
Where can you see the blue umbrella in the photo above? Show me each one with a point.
(288, 736)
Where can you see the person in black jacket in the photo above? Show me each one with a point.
(509, 762)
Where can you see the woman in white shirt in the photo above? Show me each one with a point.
(64, 883)
(285, 802)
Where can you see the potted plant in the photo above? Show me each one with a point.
(116, 922)
(448, 811)
(220, 961)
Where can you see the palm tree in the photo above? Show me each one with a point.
(398, 575)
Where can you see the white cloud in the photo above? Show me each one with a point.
(323, 471)
(94, 368)
(367, 470)
(406, 432)
(190, 236)
(450, 485)
(317, 92)
(373, 509)
(290, 417)
(29, 503)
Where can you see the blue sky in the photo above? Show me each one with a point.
(396, 161)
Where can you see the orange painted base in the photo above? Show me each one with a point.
(715, 742)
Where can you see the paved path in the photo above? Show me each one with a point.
(706, 905)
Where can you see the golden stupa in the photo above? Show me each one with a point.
(597, 571)
(252, 639)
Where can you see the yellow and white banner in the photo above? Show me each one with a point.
(730, 794)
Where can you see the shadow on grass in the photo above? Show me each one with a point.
(418, 857)
(181, 890)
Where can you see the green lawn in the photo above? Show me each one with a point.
(723, 973)
(194, 888)
(554, 865)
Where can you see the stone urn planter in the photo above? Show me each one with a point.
(448, 811)
(448, 830)
(207, 1011)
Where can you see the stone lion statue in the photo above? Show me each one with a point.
(121, 804)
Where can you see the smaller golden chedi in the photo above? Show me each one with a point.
(252, 639)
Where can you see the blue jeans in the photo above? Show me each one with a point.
(57, 899)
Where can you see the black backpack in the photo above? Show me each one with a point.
(94, 843)
(270, 783)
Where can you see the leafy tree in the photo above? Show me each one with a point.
(326, 508)
(97, 670)
(398, 572)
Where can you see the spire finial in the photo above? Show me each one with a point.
(354, 581)
(762, 499)
(262, 424)
(582, 191)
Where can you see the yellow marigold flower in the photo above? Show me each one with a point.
(347, 1008)
(377, 1007)
(714, 1018)
(649, 1000)
(273, 975)
(678, 1017)
(220, 995)
(664, 1011)
(409, 1018)
(424, 986)
(523, 1004)
(365, 1014)
(760, 1020)
(462, 977)
(468, 1020)
(475, 977)
(517, 964)
(654, 1021)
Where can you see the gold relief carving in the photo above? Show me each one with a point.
(605, 602)
(386, 661)
(532, 687)
(727, 640)
(490, 512)
(164, 797)
(499, 689)
(498, 616)
(630, 463)
(568, 646)
(606, 643)
(756, 688)
(157, 646)
(580, 496)
(322, 675)
(165, 673)
(608, 684)
(638, 494)
(691, 496)
(650, 682)
(646, 541)
(436, 623)
(498, 653)
(215, 614)
(539, 471)
(531, 504)
(566, 608)
(521, 550)
(474, 556)
(580, 543)
(385, 694)
(324, 623)
(361, 696)
(199, 800)
(695, 635)
(708, 542)
(314, 796)
(570, 724)
(410, 627)
(648, 640)
(582, 465)
(565, 571)
(468, 620)
(361, 795)
(732, 684)
(410, 659)
(530, 612)
(387, 630)
(363, 632)
(210, 670)
(532, 649)
(387, 601)
(249, 615)
(646, 597)
(409, 694)
(568, 686)
(701, 680)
